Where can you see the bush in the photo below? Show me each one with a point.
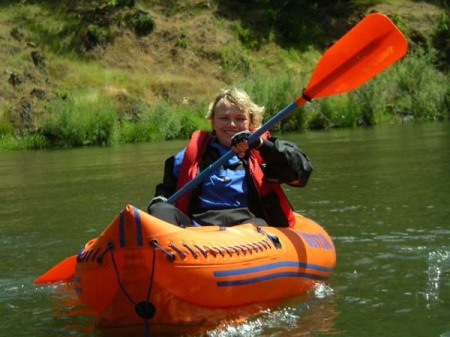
(94, 36)
(371, 99)
(275, 92)
(164, 122)
(141, 22)
(421, 93)
(411, 88)
(70, 123)
(335, 111)
(441, 41)
(233, 59)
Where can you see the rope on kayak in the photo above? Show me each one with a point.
(145, 309)
(258, 245)
(178, 250)
(219, 250)
(235, 250)
(209, 249)
(204, 253)
(265, 244)
(193, 252)
(109, 247)
(215, 251)
(170, 256)
(227, 250)
(194, 248)
(255, 246)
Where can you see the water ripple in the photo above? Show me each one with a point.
(438, 265)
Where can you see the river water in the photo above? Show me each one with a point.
(381, 193)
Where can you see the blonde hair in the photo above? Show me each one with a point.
(243, 101)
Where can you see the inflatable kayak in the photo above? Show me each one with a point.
(141, 269)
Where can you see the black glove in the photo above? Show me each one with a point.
(244, 135)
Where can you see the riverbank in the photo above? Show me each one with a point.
(104, 72)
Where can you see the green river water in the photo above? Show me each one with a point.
(383, 194)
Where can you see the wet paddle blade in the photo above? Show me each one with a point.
(368, 48)
(63, 271)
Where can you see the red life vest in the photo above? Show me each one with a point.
(190, 166)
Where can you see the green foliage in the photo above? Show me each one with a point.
(410, 89)
(442, 42)
(71, 123)
(164, 122)
(414, 88)
(251, 39)
(33, 141)
(371, 99)
(233, 59)
(421, 88)
(29, 141)
(274, 92)
(142, 22)
(336, 111)
(182, 40)
(98, 33)
(121, 3)
(5, 127)
(442, 3)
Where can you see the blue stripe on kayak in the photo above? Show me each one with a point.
(269, 277)
(121, 231)
(274, 265)
(139, 240)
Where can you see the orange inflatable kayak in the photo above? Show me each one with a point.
(143, 270)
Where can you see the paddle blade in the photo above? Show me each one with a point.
(62, 271)
(369, 47)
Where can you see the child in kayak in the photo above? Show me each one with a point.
(247, 187)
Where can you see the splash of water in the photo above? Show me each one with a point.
(281, 321)
(437, 262)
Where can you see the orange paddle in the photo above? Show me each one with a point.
(368, 48)
(364, 51)
(62, 271)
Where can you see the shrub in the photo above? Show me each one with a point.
(141, 22)
(29, 141)
(70, 123)
(232, 59)
(33, 141)
(94, 36)
(441, 42)
(275, 92)
(371, 99)
(421, 92)
(335, 111)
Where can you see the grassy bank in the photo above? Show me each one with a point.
(131, 87)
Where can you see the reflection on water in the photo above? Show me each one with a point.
(302, 316)
(51, 311)
(305, 315)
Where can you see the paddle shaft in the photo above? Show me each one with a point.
(308, 95)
